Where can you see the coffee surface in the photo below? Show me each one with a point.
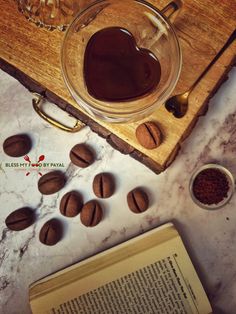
(116, 69)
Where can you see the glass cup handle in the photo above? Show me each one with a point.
(172, 9)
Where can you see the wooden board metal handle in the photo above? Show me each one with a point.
(37, 101)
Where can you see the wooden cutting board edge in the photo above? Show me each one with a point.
(112, 139)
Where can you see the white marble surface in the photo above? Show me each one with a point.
(209, 236)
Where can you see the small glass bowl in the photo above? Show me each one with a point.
(151, 29)
(53, 14)
(229, 177)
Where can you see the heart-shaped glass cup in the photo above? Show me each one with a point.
(151, 29)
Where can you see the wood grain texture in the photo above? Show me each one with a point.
(203, 27)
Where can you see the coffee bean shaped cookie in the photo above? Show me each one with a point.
(71, 204)
(81, 155)
(51, 182)
(103, 185)
(91, 214)
(51, 232)
(17, 145)
(137, 200)
(149, 135)
(20, 219)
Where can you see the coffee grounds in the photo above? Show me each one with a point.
(210, 186)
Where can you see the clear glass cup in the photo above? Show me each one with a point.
(51, 13)
(151, 29)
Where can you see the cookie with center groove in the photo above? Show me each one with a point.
(149, 135)
(91, 214)
(103, 185)
(137, 200)
(81, 155)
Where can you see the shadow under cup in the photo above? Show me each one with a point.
(151, 30)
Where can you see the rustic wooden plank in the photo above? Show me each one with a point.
(203, 28)
(112, 139)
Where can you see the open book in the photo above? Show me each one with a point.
(151, 273)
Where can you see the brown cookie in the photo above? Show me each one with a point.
(103, 185)
(91, 214)
(149, 135)
(137, 200)
(71, 204)
(20, 219)
(81, 155)
(51, 232)
(17, 145)
(51, 182)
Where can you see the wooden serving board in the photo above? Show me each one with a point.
(32, 55)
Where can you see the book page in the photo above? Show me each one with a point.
(160, 279)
